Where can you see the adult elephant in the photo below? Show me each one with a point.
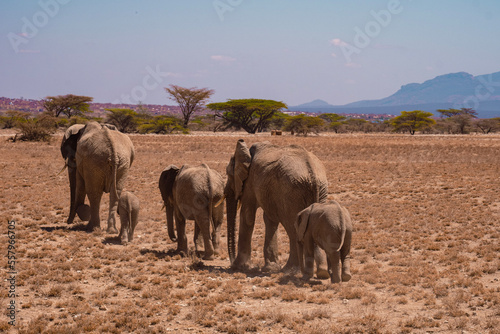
(192, 192)
(280, 180)
(98, 158)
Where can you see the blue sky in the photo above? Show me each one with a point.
(287, 50)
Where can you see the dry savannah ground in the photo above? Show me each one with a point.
(426, 244)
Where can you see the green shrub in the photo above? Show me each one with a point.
(37, 128)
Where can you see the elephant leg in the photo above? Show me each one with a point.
(79, 197)
(204, 225)
(95, 203)
(133, 224)
(247, 223)
(346, 259)
(321, 263)
(182, 245)
(308, 248)
(197, 238)
(113, 206)
(124, 228)
(217, 218)
(292, 263)
(334, 260)
(271, 245)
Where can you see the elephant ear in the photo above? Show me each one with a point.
(70, 140)
(242, 159)
(166, 183)
(302, 222)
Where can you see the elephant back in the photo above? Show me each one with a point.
(294, 167)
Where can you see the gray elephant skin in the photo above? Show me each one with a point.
(98, 158)
(329, 226)
(280, 180)
(128, 210)
(192, 192)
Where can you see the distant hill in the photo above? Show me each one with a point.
(315, 104)
(455, 90)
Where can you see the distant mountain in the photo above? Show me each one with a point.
(455, 90)
(315, 104)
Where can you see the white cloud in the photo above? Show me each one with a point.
(338, 42)
(352, 65)
(222, 58)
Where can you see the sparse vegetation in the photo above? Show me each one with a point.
(425, 210)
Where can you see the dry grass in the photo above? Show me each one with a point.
(426, 213)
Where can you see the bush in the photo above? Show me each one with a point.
(36, 129)
(11, 117)
(163, 125)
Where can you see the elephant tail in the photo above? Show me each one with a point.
(343, 227)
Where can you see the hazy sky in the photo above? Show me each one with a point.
(287, 50)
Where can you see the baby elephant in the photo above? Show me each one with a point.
(327, 225)
(128, 209)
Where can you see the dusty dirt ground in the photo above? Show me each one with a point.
(425, 252)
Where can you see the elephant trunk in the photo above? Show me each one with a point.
(72, 186)
(231, 210)
(169, 208)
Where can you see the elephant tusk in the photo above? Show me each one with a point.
(62, 170)
(239, 206)
(220, 201)
(163, 207)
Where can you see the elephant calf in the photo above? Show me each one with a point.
(128, 209)
(193, 192)
(329, 226)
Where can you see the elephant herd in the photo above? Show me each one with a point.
(288, 183)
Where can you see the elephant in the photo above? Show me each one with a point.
(192, 192)
(98, 159)
(280, 180)
(329, 226)
(128, 210)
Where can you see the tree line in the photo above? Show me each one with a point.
(251, 115)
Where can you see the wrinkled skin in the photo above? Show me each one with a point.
(193, 192)
(329, 226)
(280, 180)
(128, 209)
(98, 158)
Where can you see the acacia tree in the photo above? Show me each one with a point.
(462, 118)
(69, 105)
(488, 125)
(334, 121)
(190, 100)
(125, 120)
(249, 114)
(303, 124)
(413, 121)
